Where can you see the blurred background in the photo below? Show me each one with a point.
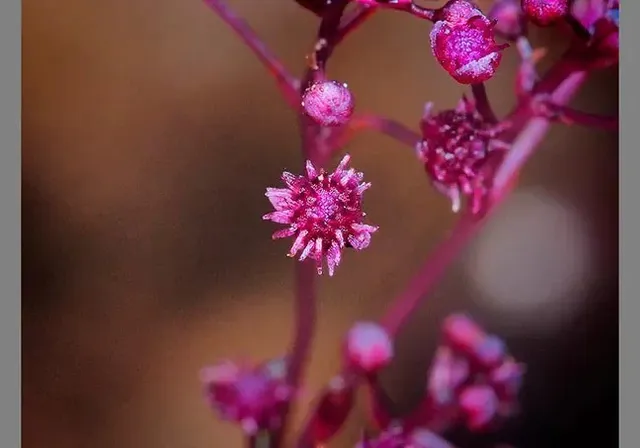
(149, 136)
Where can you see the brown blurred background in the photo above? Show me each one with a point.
(149, 136)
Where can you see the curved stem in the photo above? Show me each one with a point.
(412, 8)
(386, 126)
(287, 83)
(482, 102)
(429, 274)
(352, 21)
(570, 116)
(529, 137)
(532, 134)
(329, 32)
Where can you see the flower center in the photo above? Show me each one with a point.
(327, 205)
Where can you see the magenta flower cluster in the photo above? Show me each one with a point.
(469, 154)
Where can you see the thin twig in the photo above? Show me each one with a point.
(352, 21)
(386, 126)
(287, 83)
(571, 116)
(482, 102)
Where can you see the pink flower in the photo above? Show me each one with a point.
(251, 396)
(323, 212)
(463, 42)
(455, 146)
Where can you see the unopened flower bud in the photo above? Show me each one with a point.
(368, 347)
(463, 42)
(335, 404)
(479, 405)
(507, 379)
(510, 21)
(328, 103)
(545, 12)
(467, 337)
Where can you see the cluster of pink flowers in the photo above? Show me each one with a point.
(469, 155)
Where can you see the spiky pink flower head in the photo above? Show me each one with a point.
(545, 12)
(323, 212)
(396, 437)
(455, 145)
(328, 103)
(463, 42)
(368, 347)
(251, 396)
(510, 21)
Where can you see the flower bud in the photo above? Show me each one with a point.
(368, 347)
(328, 103)
(510, 21)
(467, 337)
(545, 12)
(463, 42)
(479, 405)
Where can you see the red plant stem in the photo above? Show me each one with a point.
(429, 274)
(328, 32)
(482, 103)
(385, 126)
(380, 402)
(446, 252)
(422, 13)
(413, 9)
(352, 20)
(570, 116)
(287, 83)
(532, 134)
(305, 291)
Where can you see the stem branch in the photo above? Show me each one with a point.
(524, 144)
(287, 83)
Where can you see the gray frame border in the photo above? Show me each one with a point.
(629, 160)
(10, 247)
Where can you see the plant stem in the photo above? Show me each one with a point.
(305, 273)
(429, 274)
(287, 83)
(533, 133)
(386, 126)
(570, 116)
(352, 21)
(482, 103)
(445, 253)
